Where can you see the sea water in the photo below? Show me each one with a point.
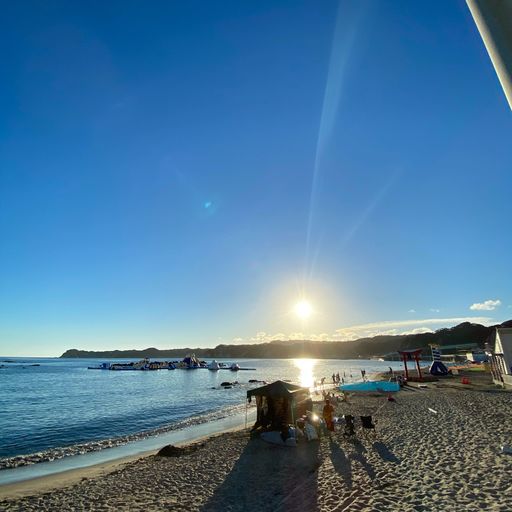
(61, 408)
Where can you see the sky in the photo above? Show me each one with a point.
(181, 174)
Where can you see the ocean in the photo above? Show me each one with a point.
(52, 408)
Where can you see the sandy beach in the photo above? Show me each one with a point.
(420, 460)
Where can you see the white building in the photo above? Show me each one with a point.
(501, 363)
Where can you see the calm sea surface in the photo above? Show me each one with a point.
(61, 404)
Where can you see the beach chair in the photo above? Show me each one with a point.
(349, 426)
(368, 425)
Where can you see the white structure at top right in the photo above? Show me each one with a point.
(493, 19)
(501, 362)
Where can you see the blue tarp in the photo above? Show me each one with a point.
(372, 385)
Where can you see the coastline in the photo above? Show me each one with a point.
(436, 448)
(125, 452)
(43, 484)
(46, 483)
(102, 410)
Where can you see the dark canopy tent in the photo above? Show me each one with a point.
(278, 403)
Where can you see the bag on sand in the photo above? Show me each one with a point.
(310, 432)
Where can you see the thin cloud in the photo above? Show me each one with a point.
(387, 327)
(419, 330)
(411, 311)
(320, 337)
(389, 324)
(488, 305)
(434, 310)
(260, 336)
(387, 332)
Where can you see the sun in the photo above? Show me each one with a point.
(303, 309)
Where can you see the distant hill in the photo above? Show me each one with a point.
(361, 348)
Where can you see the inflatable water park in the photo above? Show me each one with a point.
(190, 362)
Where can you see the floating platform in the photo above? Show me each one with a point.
(132, 369)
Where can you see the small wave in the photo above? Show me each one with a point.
(94, 446)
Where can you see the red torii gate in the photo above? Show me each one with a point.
(408, 355)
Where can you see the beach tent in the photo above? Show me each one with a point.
(437, 368)
(279, 402)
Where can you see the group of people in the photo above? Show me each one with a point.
(337, 379)
(328, 410)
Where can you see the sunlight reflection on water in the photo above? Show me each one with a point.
(306, 371)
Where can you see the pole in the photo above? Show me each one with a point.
(405, 365)
(493, 19)
(417, 357)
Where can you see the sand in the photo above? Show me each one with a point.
(419, 461)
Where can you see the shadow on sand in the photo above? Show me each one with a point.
(342, 457)
(268, 477)
(358, 455)
(341, 463)
(384, 452)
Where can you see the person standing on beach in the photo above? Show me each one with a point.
(328, 414)
(333, 378)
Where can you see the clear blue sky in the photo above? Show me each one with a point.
(181, 173)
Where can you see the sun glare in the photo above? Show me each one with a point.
(303, 309)
(305, 367)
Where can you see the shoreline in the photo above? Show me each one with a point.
(128, 451)
(58, 453)
(435, 448)
(42, 484)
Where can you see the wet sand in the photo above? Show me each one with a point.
(419, 461)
